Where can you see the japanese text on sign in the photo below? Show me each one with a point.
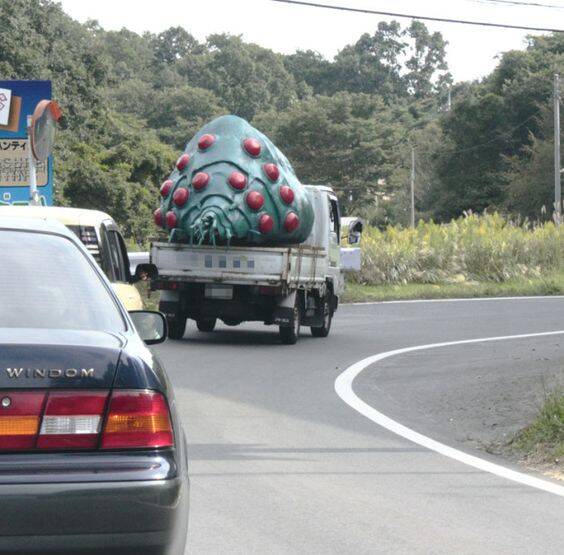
(14, 168)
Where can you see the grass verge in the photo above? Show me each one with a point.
(542, 442)
(549, 284)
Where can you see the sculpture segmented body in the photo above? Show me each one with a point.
(233, 186)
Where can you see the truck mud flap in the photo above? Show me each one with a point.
(284, 311)
(169, 305)
(283, 316)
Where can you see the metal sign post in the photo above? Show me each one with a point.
(33, 194)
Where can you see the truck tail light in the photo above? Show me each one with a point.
(137, 419)
(269, 290)
(20, 413)
(72, 420)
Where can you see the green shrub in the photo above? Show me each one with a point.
(545, 436)
(481, 248)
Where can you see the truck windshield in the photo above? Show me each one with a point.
(46, 282)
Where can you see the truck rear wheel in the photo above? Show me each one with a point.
(206, 324)
(289, 334)
(323, 331)
(230, 322)
(177, 327)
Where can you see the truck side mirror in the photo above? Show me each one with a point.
(355, 231)
(145, 272)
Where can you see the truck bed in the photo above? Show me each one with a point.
(294, 266)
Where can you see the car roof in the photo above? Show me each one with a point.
(36, 225)
(67, 216)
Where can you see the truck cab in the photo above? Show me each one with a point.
(326, 232)
(101, 236)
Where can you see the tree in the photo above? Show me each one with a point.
(346, 141)
(427, 60)
(177, 113)
(530, 175)
(372, 65)
(174, 44)
(245, 77)
(494, 134)
(311, 69)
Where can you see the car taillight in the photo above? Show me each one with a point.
(72, 420)
(137, 419)
(20, 413)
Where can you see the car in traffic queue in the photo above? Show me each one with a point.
(101, 236)
(93, 457)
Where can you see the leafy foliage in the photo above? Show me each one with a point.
(132, 101)
(498, 136)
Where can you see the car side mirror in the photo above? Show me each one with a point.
(145, 272)
(150, 325)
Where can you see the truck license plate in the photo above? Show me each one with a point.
(218, 291)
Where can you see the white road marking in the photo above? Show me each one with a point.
(459, 300)
(343, 387)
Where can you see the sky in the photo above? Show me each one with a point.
(471, 51)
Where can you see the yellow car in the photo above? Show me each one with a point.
(100, 234)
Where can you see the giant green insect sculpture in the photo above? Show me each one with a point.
(233, 186)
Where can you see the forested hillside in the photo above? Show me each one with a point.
(131, 102)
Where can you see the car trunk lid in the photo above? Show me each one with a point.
(45, 359)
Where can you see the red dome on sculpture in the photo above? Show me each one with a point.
(182, 162)
(252, 146)
(171, 220)
(255, 200)
(206, 141)
(180, 196)
(266, 223)
(166, 187)
(158, 217)
(287, 194)
(272, 171)
(237, 180)
(200, 180)
(292, 222)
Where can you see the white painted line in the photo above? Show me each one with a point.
(343, 387)
(459, 300)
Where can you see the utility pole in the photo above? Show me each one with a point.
(412, 184)
(557, 166)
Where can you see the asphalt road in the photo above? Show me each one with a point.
(280, 464)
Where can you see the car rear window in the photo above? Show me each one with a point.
(47, 282)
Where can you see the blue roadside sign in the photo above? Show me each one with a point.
(18, 100)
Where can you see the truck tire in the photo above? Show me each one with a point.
(327, 308)
(177, 327)
(230, 322)
(289, 334)
(206, 324)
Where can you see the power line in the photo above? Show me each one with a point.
(520, 4)
(421, 17)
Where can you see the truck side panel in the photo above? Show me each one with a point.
(290, 266)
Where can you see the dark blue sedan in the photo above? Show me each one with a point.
(92, 454)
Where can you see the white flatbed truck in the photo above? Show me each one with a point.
(288, 286)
